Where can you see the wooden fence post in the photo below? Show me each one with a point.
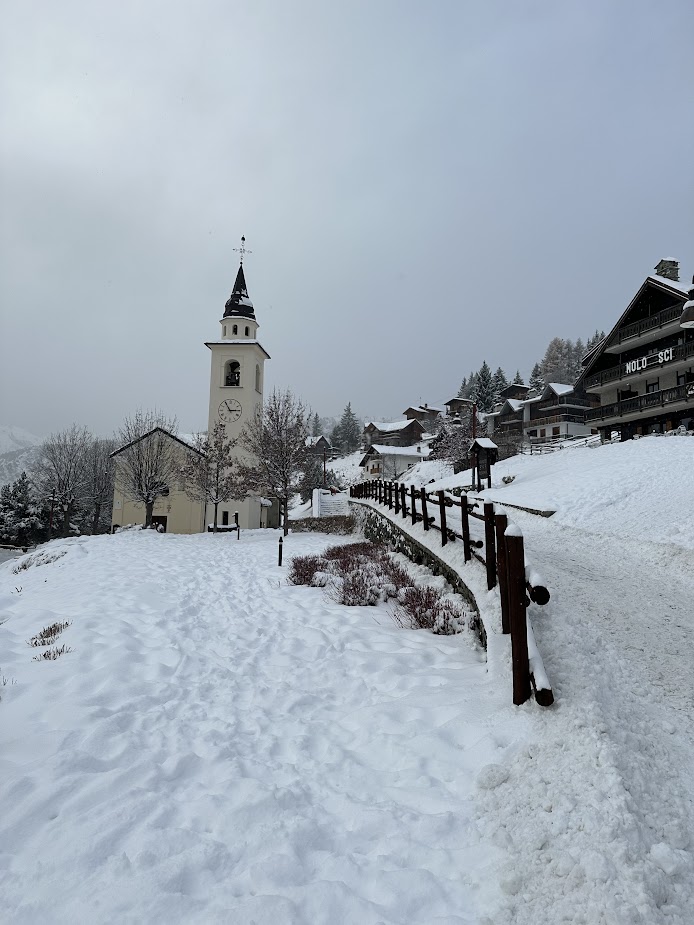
(389, 490)
(413, 499)
(465, 517)
(517, 616)
(442, 513)
(396, 489)
(489, 544)
(403, 500)
(425, 516)
(380, 491)
(500, 524)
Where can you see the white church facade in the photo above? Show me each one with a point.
(237, 374)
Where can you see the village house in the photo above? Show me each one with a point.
(425, 414)
(390, 462)
(393, 433)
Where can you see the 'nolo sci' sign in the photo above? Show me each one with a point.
(655, 359)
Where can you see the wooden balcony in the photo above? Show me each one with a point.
(650, 401)
(614, 373)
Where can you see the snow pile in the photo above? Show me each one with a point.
(637, 489)
(347, 468)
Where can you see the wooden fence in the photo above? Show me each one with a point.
(501, 552)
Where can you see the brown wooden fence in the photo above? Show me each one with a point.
(501, 552)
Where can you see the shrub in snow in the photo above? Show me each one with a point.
(507, 479)
(303, 569)
(48, 634)
(425, 608)
(51, 655)
(39, 558)
(340, 525)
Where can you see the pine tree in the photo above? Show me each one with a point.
(518, 379)
(536, 380)
(484, 388)
(350, 431)
(317, 429)
(20, 520)
(467, 388)
(463, 387)
(499, 382)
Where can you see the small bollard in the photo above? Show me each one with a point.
(279, 557)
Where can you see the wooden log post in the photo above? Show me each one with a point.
(389, 489)
(413, 503)
(425, 516)
(403, 500)
(517, 616)
(489, 544)
(396, 488)
(500, 524)
(465, 517)
(380, 491)
(442, 515)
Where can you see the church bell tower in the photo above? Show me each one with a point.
(237, 377)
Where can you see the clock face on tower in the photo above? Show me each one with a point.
(230, 410)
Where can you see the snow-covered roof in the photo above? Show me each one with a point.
(560, 388)
(312, 441)
(418, 450)
(485, 443)
(387, 427)
(514, 403)
(662, 280)
(179, 439)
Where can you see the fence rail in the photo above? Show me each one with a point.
(501, 552)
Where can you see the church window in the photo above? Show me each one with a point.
(246, 332)
(225, 331)
(257, 377)
(235, 329)
(232, 373)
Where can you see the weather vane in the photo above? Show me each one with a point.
(242, 250)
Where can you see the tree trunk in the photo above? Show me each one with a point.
(285, 505)
(149, 509)
(214, 522)
(66, 521)
(95, 521)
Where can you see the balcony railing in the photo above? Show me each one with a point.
(555, 419)
(641, 403)
(648, 324)
(681, 352)
(563, 401)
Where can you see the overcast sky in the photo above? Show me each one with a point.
(424, 186)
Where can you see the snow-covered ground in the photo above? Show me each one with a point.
(223, 747)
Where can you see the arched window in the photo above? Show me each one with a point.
(225, 331)
(232, 373)
(235, 329)
(246, 332)
(257, 377)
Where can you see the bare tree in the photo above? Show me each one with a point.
(98, 477)
(149, 460)
(59, 472)
(211, 475)
(276, 442)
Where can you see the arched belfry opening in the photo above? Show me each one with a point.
(232, 373)
(257, 377)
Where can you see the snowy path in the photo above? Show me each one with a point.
(617, 642)
(222, 747)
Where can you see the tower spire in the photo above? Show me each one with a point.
(238, 305)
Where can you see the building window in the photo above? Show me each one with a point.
(542, 432)
(225, 331)
(652, 386)
(225, 518)
(246, 332)
(235, 329)
(232, 373)
(257, 377)
(532, 433)
(555, 431)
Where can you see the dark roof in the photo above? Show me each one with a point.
(653, 281)
(149, 433)
(238, 305)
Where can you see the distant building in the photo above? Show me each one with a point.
(425, 414)
(390, 462)
(393, 433)
(557, 413)
(642, 374)
(318, 445)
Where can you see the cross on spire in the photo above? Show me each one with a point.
(242, 250)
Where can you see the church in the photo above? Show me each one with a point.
(237, 373)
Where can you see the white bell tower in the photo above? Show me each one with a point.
(237, 375)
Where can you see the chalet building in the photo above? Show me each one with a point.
(457, 406)
(393, 433)
(557, 413)
(517, 391)
(425, 414)
(642, 373)
(390, 462)
(318, 445)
